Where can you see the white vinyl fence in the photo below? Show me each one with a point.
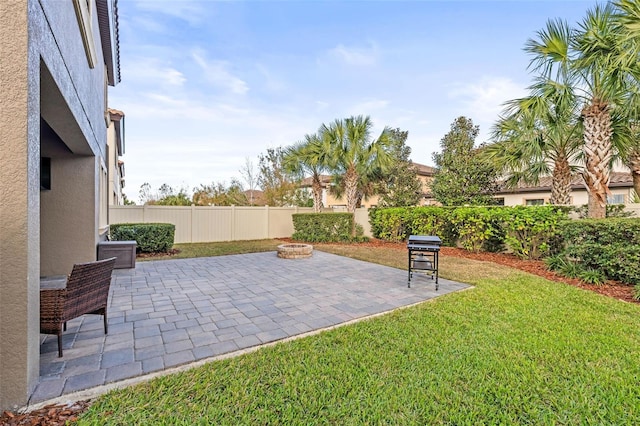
(195, 224)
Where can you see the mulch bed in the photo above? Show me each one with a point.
(58, 415)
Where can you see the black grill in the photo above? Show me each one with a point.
(423, 253)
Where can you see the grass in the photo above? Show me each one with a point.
(516, 349)
(218, 249)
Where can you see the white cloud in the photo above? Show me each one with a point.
(483, 100)
(217, 73)
(367, 106)
(191, 12)
(153, 71)
(354, 55)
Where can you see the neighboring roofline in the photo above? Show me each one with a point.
(117, 117)
(622, 180)
(110, 38)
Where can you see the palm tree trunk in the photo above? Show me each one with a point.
(597, 150)
(351, 189)
(561, 182)
(316, 187)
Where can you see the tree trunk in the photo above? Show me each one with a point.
(316, 187)
(561, 182)
(351, 189)
(351, 193)
(597, 150)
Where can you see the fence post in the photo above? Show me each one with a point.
(266, 221)
(233, 222)
(193, 212)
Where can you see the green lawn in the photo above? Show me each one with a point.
(516, 349)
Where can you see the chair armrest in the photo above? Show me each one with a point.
(52, 305)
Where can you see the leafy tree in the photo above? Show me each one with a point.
(537, 136)
(462, 176)
(279, 185)
(400, 186)
(599, 59)
(126, 201)
(308, 157)
(354, 158)
(217, 194)
(167, 196)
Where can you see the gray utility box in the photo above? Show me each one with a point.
(123, 251)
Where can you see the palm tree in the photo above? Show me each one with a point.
(593, 60)
(353, 156)
(308, 157)
(629, 19)
(539, 135)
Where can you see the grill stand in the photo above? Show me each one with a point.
(423, 254)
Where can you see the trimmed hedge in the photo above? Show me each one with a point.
(528, 231)
(533, 233)
(151, 237)
(609, 245)
(325, 227)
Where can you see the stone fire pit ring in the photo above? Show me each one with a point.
(295, 251)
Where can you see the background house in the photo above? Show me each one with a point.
(115, 149)
(330, 200)
(621, 186)
(58, 57)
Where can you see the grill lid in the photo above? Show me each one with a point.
(424, 240)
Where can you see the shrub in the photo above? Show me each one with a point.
(389, 223)
(608, 245)
(325, 227)
(477, 227)
(150, 237)
(613, 210)
(556, 262)
(592, 276)
(636, 292)
(432, 220)
(532, 232)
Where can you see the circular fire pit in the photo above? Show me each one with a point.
(295, 251)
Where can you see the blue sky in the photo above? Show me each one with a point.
(207, 85)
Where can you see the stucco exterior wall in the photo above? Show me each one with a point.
(19, 224)
(45, 74)
(578, 197)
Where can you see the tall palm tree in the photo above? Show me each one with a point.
(593, 60)
(308, 157)
(539, 135)
(353, 156)
(629, 19)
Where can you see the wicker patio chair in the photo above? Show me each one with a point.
(86, 292)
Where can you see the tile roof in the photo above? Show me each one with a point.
(617, 180)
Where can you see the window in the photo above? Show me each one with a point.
(534, 202)
(84, 13)
(616, 199)
(45, 173)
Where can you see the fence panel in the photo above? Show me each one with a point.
(195, 224)
(212, 224)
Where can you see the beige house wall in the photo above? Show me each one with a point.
(331, 201)
(578, 197)
(53, 105)
(19, 224)
(115, 195)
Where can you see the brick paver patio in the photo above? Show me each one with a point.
(168, 313)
